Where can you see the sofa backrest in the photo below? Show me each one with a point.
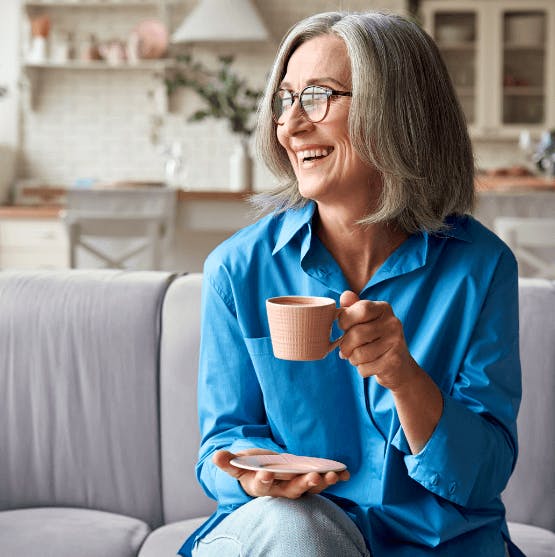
(183, 497)
(530, 495)
(79, 419)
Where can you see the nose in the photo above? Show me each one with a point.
(295, 120)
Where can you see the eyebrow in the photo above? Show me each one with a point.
(314, 81)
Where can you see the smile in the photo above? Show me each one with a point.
(308, 155)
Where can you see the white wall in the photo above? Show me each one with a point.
(9, 72)
(98, 124)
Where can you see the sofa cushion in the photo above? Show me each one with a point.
(166, 541)
(533, 541)
(79, 367)
(67, 532)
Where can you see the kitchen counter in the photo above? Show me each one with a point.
(30, 211)
(515, 184)
(52, 197)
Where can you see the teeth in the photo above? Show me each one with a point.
(311, 153)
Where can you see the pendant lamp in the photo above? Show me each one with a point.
(222, 21)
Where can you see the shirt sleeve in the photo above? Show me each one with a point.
(472, 452)
(231, 409)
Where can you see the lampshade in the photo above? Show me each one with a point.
(221, 21)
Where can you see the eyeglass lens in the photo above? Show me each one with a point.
(313, 99)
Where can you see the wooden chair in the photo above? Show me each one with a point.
(532, 241)
(146, 235)
(120, 228)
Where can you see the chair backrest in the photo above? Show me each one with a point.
(146, 232)
(532, 241)
(79, 415)
(530, 495)
(119, 228)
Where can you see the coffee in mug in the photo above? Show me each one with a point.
(300, 326)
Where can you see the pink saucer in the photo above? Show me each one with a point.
(289, 464)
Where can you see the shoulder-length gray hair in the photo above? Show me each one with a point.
(405, 120)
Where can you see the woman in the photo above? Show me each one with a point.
(361, 124)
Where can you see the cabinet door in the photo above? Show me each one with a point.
(526, 61)
(501, 57)
(33, 244)
(455, 28)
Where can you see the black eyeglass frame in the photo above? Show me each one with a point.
(328, 91)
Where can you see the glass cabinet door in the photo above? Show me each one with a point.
(524, 63)
(455, 34)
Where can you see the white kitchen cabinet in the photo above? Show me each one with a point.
(501, 57)
(30, 243)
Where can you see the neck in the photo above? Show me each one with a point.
(358, 249)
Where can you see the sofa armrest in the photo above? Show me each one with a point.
(182, 496)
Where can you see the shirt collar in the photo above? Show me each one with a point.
(293, 220)
(456, 227)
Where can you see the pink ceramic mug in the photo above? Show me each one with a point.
(300, 326)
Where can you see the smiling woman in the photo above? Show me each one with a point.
(404, 119)
(361, 124)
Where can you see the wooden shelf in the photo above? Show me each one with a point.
(153, 65)
(52, 193)
(524, 47)
(523, 91)
(96, 3)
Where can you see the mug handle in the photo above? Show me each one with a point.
(337, 342)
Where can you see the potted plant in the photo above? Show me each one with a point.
(226, 96)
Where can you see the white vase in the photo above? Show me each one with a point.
(240, 168)
(7, 171)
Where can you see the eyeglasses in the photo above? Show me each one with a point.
(314, 100)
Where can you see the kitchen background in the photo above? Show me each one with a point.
(63, 124)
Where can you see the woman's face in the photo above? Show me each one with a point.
(337, 172)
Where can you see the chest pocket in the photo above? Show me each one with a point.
(309, 405)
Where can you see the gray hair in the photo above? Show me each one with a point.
(405, 120)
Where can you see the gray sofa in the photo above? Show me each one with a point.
(98, 429)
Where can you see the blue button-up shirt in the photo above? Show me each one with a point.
(456, 294)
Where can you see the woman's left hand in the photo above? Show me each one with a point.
(374, 342)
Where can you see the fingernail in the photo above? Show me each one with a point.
(312, 484)
(341, 355)
(267, 481)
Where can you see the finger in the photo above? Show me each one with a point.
(299, 485)
(344, 476)
(359, 336)
(362, 311)
(264, 484)
(222, 460)
(348, 298)
(370, 352)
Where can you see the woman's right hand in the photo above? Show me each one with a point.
(261, 483)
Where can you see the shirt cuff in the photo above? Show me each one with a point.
(444, 465)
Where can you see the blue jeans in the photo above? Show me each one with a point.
(311, 526)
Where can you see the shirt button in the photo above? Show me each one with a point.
(452, 487)
(435, 479)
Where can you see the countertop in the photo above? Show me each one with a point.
(51, 196)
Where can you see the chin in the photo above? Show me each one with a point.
(313, 189)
